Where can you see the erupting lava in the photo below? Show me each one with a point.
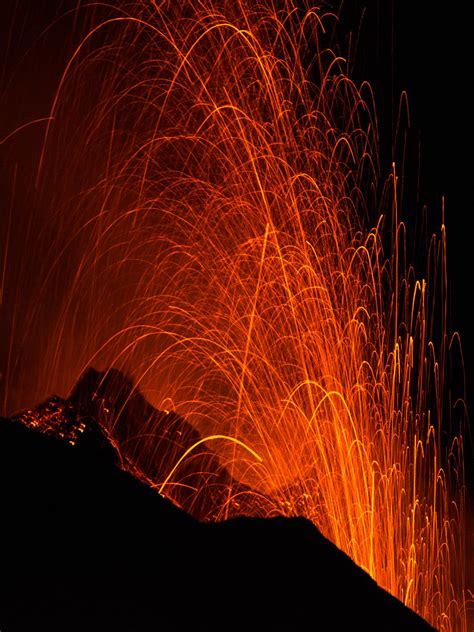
(211, 173)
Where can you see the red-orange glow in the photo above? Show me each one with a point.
(209, 234)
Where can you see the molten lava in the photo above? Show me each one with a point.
(219, 230)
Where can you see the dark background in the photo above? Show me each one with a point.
(419, 49)
(397, 45)
(413, 47)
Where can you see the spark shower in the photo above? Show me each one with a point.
(213, 222)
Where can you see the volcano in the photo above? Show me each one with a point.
(88, 544)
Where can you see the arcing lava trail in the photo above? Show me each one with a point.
(219, 230)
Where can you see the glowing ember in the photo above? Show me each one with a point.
(210, 206)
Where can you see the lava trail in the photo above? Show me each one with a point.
(219, 229)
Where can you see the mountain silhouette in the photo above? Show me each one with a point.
(89, 546)
(154, 440)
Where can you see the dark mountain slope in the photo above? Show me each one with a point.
(87, 546)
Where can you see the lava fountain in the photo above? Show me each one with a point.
(218, 228)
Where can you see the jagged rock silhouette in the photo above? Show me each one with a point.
(154, 440)
(86, 545)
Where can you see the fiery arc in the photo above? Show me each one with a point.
(213, 175)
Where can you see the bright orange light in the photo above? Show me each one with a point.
(213, 168)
